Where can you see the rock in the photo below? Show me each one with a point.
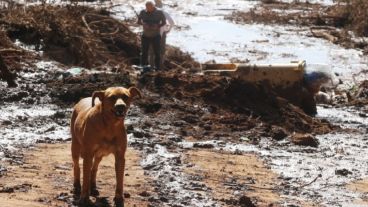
(129, 128)
(245, 201)
(278, 133)
(191, 119)
(343, 172)
(7, 190)
(323, 98)
(203, 145)
(164, 199)
(7, 122)
(144, 194)
(304, 140)
(138, 134)
(126, 195)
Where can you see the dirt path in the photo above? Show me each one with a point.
(45, 179)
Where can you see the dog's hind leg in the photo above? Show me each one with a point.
(87, 167)
(96, 162)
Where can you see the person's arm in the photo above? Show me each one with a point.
(170, 20)
(140, 22)
(163, 19)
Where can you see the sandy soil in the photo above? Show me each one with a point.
(360, 186)
(45, 179)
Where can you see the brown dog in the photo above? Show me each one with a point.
(97, 129)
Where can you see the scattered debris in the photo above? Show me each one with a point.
(343, 172)
(304, 140)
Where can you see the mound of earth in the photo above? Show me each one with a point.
(257, 102)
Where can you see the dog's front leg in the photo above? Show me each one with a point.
(87, 167)
(119, 170)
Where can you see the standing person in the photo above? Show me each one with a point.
(152, 20)
(164, 30)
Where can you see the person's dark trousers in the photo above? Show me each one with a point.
(155, 42)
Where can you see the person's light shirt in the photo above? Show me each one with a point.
(169, 23)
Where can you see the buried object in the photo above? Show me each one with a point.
(292, 81)
(97, 129)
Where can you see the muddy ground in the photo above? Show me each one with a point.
(194, 140)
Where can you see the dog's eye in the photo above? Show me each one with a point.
(113, 97)
(125, 97)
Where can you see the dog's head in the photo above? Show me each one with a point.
(116, 100)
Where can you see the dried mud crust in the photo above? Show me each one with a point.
(328, 22)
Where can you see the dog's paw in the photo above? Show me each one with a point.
(76, 190)
(85, 202)
(119, 202)
(94, 192)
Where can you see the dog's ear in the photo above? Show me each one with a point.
(99, 94)
(135, 92)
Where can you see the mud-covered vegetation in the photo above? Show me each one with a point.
(354, 15)
(73, 35)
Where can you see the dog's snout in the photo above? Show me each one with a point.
(119, 104)
(120, 107)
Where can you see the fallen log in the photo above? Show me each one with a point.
(325, 35)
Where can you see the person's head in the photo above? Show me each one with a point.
(150, 6)
(158, 3)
